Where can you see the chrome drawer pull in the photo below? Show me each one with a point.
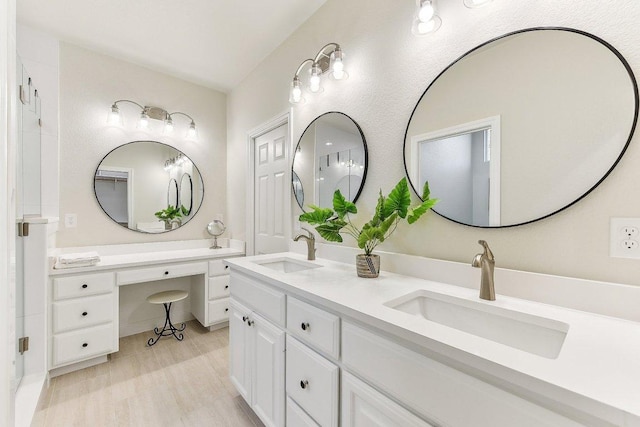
(305, 326)
(244, 318)
(250, 322)
(304, 384)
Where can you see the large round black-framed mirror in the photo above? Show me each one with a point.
(136, 185)
(548, 158)
(331, 154)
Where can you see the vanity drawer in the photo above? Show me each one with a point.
(314, 326)
(217, 268)
(83, 344)
(427, 386)
(219, 310)
(83, 285)
(82, 312)
(163, 272)
(312, 382)
(267, 301)
(219, 287)
(296, 417)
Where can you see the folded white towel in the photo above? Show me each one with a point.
(59, 265)
(79, 258)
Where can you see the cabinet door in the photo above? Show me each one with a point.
(362, 406)
(240, 351)
(268, 371)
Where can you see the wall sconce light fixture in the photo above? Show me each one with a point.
(426, 20)
(329, 59)
(176, 162)
(156, 113)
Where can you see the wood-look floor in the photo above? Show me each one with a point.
(170, 384)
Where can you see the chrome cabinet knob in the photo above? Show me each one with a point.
(85, 286)
(304, 384)
(305, 326)
(85, 345)
(84, 313)
(244, 318)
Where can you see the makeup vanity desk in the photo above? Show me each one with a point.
(83, 309)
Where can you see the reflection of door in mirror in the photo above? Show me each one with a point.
(462, 162)
(114, 189)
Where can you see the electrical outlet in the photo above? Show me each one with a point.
(70, 220)
(625, 238)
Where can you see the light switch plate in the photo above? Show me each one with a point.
(625, 238)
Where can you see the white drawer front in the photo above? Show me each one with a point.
(83, 285)
(312, 381)
(217, 268)
(219, 287)
(427, 386)
(219, 310)
(82, 312)
(265, 300)
(296, 417)
(363, 406)
(314, 326)
(83, 344)
(163, 272)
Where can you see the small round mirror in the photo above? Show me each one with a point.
(216, 228)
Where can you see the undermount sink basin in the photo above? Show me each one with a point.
(287, 265)
(533, 334)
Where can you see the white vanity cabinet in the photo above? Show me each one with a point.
(257, 362)
(84, 311)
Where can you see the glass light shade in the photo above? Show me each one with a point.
(295, 95)
(337, 65)
(426, 11)
(143, 122)
(423, 28)
(168, 125)
(192, 133)
(476, 3)
(114, 118)
(314, 80)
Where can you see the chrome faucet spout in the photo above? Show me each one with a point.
(486, 262)
(311, 241)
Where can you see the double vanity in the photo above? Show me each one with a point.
(313, 344)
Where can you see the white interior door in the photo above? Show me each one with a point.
(271, 191)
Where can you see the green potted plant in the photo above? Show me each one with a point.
(389, 212)
(169, 215)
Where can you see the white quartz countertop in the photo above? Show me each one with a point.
(596, 371)
(124, 256)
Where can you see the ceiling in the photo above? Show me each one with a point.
(215, 43)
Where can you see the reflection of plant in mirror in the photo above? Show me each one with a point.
(389, 212)
(171, 213)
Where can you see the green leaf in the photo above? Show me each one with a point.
(342, 206)
(330, 232)
(370, 234)
(398, 200)
(386, 225)
(416, 212)
(317, 215)
(425, 191)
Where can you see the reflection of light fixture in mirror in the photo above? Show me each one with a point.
(147, 113)
(426, 21)
(216, 228)
(329, 59)
(476, 3)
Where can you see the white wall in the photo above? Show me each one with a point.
(7, 211)
(389, 70)
(89, 84)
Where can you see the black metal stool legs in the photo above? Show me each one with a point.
(167, 329)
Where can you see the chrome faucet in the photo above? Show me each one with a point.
(486, 263)
(311, 241)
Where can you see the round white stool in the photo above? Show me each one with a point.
(167, 298)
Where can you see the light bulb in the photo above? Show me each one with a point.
(114, 118)
(168, 125)
(314, 80)
(337, 65)
(143, 123)
(296, 91)
(422, 28)
(192, 133)
(426, 11)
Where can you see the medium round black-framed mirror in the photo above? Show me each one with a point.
(132, 183)
(186, 193)
(331, 154)
(522, 127)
